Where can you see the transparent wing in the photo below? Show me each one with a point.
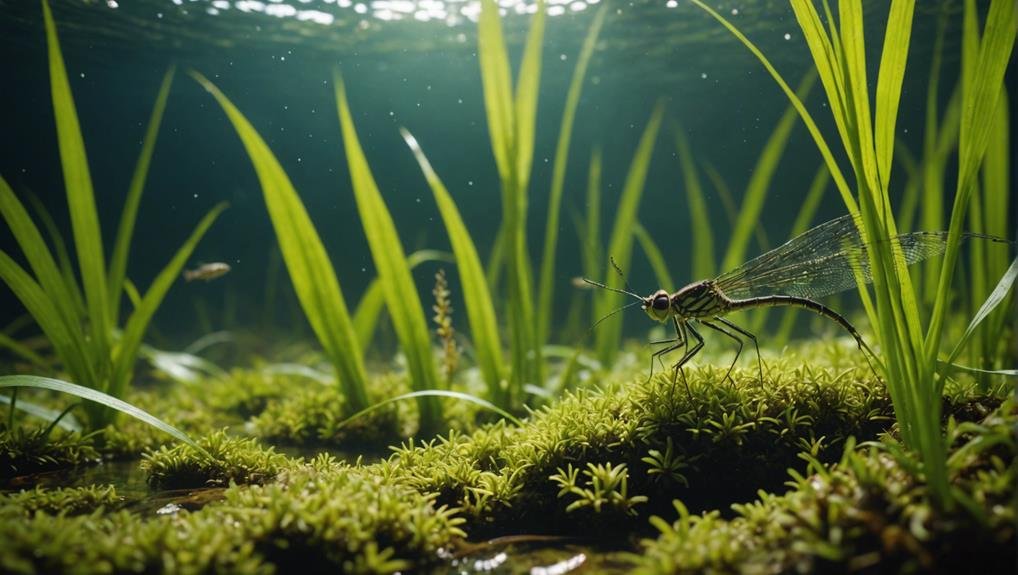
(820, 262)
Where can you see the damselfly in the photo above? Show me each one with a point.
(824, 260)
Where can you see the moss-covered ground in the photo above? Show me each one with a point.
(799, 472)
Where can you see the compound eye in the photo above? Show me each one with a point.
(661, 302)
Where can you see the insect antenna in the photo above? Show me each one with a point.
(619, 270)
(628, 305)
(616, 290)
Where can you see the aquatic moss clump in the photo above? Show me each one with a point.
(612, 457)
(66, 501)
(320, 516)
(868, 512)
(225, 460)
(31, 449)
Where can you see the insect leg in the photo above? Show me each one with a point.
(759, 362)
(679, 340)
(738, 352)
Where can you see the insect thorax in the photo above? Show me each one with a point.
(700, 299)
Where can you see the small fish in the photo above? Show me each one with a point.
(207, 272)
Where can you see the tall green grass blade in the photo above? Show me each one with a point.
(497, 82)
(129, 214)
(314, 279)
(127, 349)
(894, 56)
(826, 77)
(996, 206)
(80, 198)
(23, 351)
(60, 251)
(998, 295)
(546, 293)
(593, 258)
(760, 182)
(609, 334)
(67, 422)
(36, 382)
(476, 296)
(699, 216)
(46, 297)
(433, 394)
(369, 308)
(980, 95)
(724, 192)
(401, 297)
(525, 110)
(655, 257)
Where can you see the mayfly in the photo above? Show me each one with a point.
(824, 260)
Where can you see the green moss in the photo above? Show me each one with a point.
(68, 501)
(322, 516)
(25, 450)
(867, 512)
(227, 460)
(716, 445)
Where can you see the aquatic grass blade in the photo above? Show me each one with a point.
(476, 295)
(609, 335)
(894, 56)
(546, 283)
(24, 352)
(655, 257)
(826, 76)
(497, 82)
(369, 307)
(401, 297)
(433, 394)
(760, 181)
(36, 382)
(67, 422)
(699, 216)
(593, 258)
(999, 293)
(311, 271)
(80, 197)
(60, 251)
(126, 352)
(983, 76)
(129, 213)
(525, 102)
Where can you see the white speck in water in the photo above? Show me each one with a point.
(391, 113)
(470, 182)
(363, 270)
(562, 57)
(112, 3)
(788, 36)
(703, 75)
(82, 74)
(300, 160)
(735, 11)
(159, 15)
(459, 100)
(671, 3)
(418, 200)
(196, 196)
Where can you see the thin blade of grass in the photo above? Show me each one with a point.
(68, 422)
(476, 296)
(431, 394)
(609, 335)
(980, 95)
(129, 214)
(527, 87)
(63, 257)
(80, 198)
(369, 308)
(401, 297)
(825, 76)
(36, 382)
(130, 341)
(24, 352)
(311, 271)
(546, 286)
(700, 221)
(593, 257)
(760, 182)
(655, 257)
(998, 295)
(890, 77)
(497, 82)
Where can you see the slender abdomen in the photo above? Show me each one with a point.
(787, 300)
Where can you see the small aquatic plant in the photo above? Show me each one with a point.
(81, 321)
